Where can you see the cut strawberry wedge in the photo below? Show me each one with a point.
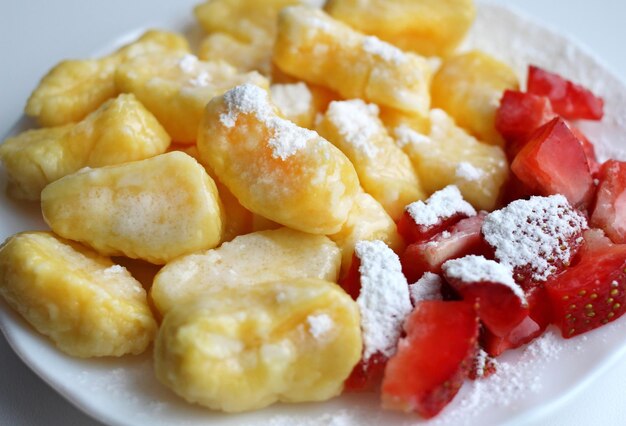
(570, 100)
(519, 115)
(554, 162)
(422, 220)
(590, 150)
(501, 302)
(609, 213)
(591, 293)
(531, 327)
(538, 237)
(461, 239)
(433, 359)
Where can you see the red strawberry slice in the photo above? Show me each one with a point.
(501, 302)
(591, 293)
(610, 209)
(519, 115)
(590, 150)
(351, 281)
(366, 375)
(570, 100)
(459, 240)
(531, 327)
(422, 220)
(433, 359)
(554, 162)
(538, 237)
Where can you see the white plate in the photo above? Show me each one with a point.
(531, 382)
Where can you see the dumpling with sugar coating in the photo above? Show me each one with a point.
(283, 172)
(83, 302)
(244, 262)
(155, 209)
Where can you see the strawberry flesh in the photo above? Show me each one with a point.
(457, 241)
(554, 162)
(434, 358)
(570, 100)
(609, 213)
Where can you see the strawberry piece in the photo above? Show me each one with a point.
(519, 115)
(531, 327)
(501, 302)
(570, 100)
(609, 213)
(484, 366)
(422, 220)
(459, 240)
(554, 162)
(381, 292)
(537, 237)
(433, 359)
(591, 293)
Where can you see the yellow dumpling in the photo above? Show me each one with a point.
(319, 49)
(429, 27)
(155, 209)
(243, 55)
(74, 88)
(119, 131)
(447, 155)
(176, 88)
(384, 170)
(244, 262)
(283, 172)
(469, 87)
(290, 341)
(83, 302)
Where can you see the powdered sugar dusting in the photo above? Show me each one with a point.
(188, 63)
(534, 233)
(384, 300)
(474, 269)
(287, 138)
(426, 288)
(407, 136)
(443, 204)
(293, 99)
(386, 51)
(469, 172)
(319, 325)
(357, 122)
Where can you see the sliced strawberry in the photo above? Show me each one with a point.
(501, 302)
(537, 237)
(459, 240)
(422, 220)
(433, 359)
(554, 162)
(519, 115)
(570, 100)
(591, 293)
(484, 366)
(381, 292)
(531, 327)
(610, 209)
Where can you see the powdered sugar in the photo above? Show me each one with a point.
(319, 325)
(534, 233)
(383, 50)
(474, 269)
(480, 363)
(469, 172)
(293, 99)
(188, 63)
(426, 288)
(443, 204)
(357, 122)
(407, 136)
(287, 138)
(384, 300)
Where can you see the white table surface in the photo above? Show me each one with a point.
(35, 34)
